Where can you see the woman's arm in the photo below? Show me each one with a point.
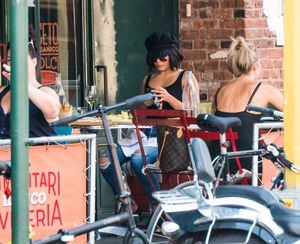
(46, 100)
(275, 97)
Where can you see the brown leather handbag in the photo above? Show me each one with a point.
(173, 149)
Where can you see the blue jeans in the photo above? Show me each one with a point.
(137, 164)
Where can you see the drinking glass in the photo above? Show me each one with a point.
(90, 96)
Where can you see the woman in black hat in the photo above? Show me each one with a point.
(168, 80)
(175, 88)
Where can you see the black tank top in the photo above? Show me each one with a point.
(245, 131)
(175, 89)
(38, 125)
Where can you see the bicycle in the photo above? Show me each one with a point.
(133, 233)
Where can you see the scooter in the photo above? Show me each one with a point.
(231, 214)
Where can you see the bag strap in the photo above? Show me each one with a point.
(162, 147)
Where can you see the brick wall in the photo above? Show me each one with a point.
(205, 38)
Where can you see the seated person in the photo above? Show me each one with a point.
(231, 99)
(43, 101)
(128, 150)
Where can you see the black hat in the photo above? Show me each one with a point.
(159, 44)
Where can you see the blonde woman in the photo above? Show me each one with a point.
(231, 99)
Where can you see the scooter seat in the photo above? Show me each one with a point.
(287, 218)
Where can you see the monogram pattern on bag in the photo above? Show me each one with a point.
(173, 149)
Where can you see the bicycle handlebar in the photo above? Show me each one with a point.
(130, 103)
(5, 169)
(267, 111)
(137, 100)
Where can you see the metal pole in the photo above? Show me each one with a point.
(37, 21)
(19, 119)
(291, 89)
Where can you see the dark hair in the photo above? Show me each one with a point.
(33, 44)
(33, 47)
(175, 57)
(33, 50)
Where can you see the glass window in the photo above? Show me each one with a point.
(60, 44)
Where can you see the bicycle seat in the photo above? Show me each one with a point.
(211, 122)
(286, 217)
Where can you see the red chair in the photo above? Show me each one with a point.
(178, 118)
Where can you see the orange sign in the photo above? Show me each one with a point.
(57, 187)
(48, 77)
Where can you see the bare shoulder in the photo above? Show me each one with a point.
(269, 89)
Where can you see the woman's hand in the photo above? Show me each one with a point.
(6, 72)
(162, 94)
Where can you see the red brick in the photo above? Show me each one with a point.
(207, 65)
(213, 44)
(223, 65)
(232, 23)
(264, 43)
(193, 34)
(199, 23)
(206, 4)
(203, 14)
(224, 75)
(256, 23)
(269, 33)
(272, 53)
(254, 33)
(240, 3)
(223, 13)
(187, 65)
(199, 44)
(258, 3)
(210, 23)
(265, 74)
(278, 64)
(267, 63)
(275, 74)
(220, 33)
(249, 4)
(239, 32)
(254, 13)
(194, 54)
(188, 44)
(228, 4)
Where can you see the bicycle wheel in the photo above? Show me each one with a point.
(138, 237)
(154, 233)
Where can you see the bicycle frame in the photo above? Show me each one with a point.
(124, 196)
